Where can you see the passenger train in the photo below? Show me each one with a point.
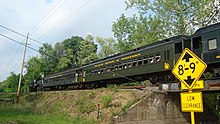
(152, 62)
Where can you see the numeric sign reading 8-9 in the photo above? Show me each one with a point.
(181, 68)
(189, 68)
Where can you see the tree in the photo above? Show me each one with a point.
(122, 31)
(87, 50)
(107, 47)
(35, 69)
(180, 16)
(49, 58)
(71, 46)
(160, 19)
(11, 83)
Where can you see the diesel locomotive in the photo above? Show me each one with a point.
(152, 62)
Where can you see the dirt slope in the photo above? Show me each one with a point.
(100, 104)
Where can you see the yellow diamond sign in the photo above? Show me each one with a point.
(189, 68)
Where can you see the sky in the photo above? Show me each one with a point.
(51, 21)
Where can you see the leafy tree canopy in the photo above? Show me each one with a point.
(160, 19)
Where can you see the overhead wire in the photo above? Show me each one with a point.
(42, 22)
(74, 12)
(9, 29)
(18, 42)
(56, 57)
(28, 46)
(50, 13)
(10, 60)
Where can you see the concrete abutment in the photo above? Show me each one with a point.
(163, 109)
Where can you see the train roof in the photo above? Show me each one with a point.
(149, 46)
(207, 29)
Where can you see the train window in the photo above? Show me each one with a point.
(212, 44)
(197, 43)
(120, 66)
(92, 72)
(125, 65)
(105, 69)
(116, 67)
(157, 57)
(98, 72)
(134, 63)
(145, 60)
(129, 63)
(139, 61)
(112, 68)
(108, 69)
(178, 48)
(151, 59)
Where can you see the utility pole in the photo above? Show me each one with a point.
(22, 67)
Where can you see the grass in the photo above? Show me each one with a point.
(69, 107)
(19, 115)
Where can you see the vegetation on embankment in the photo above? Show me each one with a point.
(63, 107)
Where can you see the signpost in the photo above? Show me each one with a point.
(188, 69)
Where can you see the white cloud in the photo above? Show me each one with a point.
(95, 18)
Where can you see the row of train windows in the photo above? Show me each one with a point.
(62, 78)
(127, 64)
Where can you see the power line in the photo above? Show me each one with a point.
(10, 61)
(50, 13)
(27, 46)
(20, 34)
(18, 42)
(66, 18)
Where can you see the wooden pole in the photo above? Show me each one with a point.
(22, 67)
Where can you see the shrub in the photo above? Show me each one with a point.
(106, 100)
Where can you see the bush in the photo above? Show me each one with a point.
(84, 106)
(106, 100)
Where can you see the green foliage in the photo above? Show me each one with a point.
(83, 120)
(160, 19)
(11, 83)
(87, 50)
(108, 47)
(211, 100)
(122, 31)
(24, 115)
(84, 105)
(106, 101)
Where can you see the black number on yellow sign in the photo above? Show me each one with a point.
(192, 66)
(181, 69)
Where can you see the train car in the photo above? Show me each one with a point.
(152, 62)
(206, 45)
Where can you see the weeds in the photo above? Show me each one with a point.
(106, 100)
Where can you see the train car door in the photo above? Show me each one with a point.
(80, 76)
(178, 47)
(76, 77)
(197, 45)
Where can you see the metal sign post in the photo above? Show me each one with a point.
(188, 69)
